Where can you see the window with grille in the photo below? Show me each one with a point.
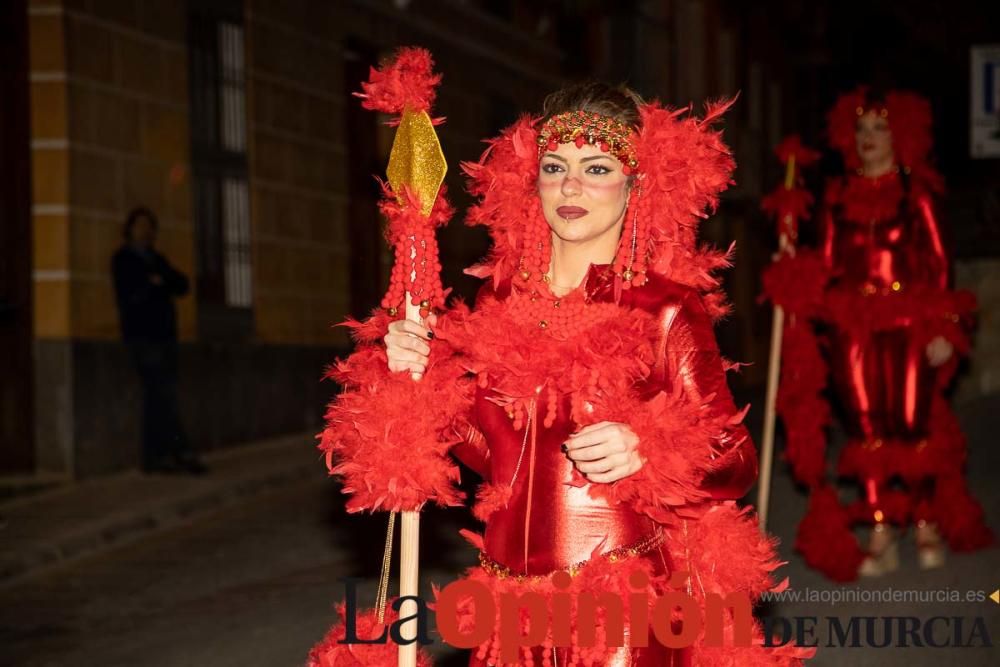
(219, 162)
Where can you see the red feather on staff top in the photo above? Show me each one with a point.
(790, 202)
(792, 146)
(406, 81)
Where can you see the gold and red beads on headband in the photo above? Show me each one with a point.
(882, 111)
(584, 127)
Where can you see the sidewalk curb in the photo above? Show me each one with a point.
(146, 518)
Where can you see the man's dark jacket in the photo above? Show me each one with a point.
(146, 309)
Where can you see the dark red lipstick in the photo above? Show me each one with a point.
(571, 212)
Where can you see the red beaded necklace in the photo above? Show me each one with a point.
(561, 317)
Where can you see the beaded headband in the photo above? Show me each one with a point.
(609, 134)
(882, 110)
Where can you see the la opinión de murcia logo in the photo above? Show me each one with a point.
(676, 619)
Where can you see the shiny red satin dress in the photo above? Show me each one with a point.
(548, 524)
(881, 241)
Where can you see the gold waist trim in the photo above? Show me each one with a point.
(624, 552)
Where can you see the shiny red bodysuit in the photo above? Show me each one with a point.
(549, 524)
(880, 242)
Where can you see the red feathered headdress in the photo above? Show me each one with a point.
(909, 117)
(684, 165)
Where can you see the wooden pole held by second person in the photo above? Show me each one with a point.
(773, 375)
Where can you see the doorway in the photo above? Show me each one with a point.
(17, 450)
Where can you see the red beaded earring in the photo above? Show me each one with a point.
(630, 261)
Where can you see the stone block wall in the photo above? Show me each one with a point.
(109, 132)
(111, 119)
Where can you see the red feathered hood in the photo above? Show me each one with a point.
(909, 117)
(684, 165)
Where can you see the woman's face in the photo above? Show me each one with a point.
(584, 193)
(873, 139)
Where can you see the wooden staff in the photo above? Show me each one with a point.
(416, 162)
(409, 547)
(773, 370)
(405, 87)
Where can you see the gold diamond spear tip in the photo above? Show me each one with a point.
(416, 159)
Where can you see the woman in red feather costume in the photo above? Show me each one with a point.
(585, 386)
(895, 333)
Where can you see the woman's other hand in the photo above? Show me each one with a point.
(407, 347)
(604, 452)
(939, 351)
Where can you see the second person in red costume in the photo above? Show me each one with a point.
(894, 327)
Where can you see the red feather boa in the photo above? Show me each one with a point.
(672, 440)
(797, 284)
(803, 410)
(383, 422)
(599, 367)
(825, 539)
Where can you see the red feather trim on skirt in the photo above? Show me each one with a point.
(721, 553)
(825, 538)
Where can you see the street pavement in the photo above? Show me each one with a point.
(252, 581)
(251, 585)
